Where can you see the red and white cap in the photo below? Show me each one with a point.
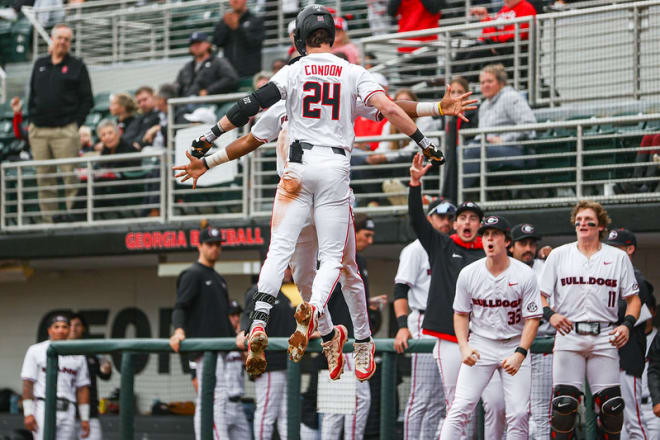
(341, 24)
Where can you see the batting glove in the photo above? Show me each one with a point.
(200, 147)
(434, 155)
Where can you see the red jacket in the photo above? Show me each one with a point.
(413, 16)
(503, 31)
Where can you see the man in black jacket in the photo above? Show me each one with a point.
(205, 74)
(240, 33)
(145, 98)
(447, 256)
(60, 98)
(632, 355)
(202, 311)
(654, 374)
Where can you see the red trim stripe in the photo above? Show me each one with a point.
(639, 418)
(263, 415)
(369, 95)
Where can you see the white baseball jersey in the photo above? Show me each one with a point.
(73, 372)
(587, 289)
(415, 271)
(545, 329)
(321, 92)
(497, 304)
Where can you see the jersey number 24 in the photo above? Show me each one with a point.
(321, 94)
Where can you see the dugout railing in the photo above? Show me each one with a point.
(129, 348)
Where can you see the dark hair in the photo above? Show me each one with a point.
(462, 81)
(82, 320)
(319, 37)
(167, 91)
(144, 89)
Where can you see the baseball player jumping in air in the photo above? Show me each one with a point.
(72, 386)
(321, 92)
(497, 308)
(585, 279)
(426, 403)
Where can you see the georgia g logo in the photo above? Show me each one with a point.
(527, 229)
(532, 307)
(613, 235)
(491, 220)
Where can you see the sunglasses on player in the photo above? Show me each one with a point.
(590, 224)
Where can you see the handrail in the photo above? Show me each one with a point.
(29, 13)
(3, 85)
(78, 160)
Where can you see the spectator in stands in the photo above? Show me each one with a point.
(123, 107)
(52, 12)
(278, 64)
(453, 125)
(379, 21)
(156, 136)
(113, 143)
(205, 74)
(416, 15)
(60, 99)
(240, 33)
(86, 145)
(502, 106)
(148, 116)
(649, 156)
(17, 107)
(261, 79)
(343, 42)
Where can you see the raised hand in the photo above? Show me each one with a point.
(194, 169)
(457, 106)
(418, 169)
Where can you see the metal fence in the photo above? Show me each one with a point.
(559, 163)
(129, 348)
(86, 191)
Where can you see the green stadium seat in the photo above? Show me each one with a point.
(93, 119)
(102, 103)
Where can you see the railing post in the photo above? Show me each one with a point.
(163, 187)
(636, 52)
(126, 401)
(447, 55)
(531, 61)
(578, 161)
(169, 157)
(246, 186)
(293, 400)
(51, 393)
(208, 393)
(19, 196)
(553, 56)
(482, 169)
(115, 39)
(90, 193)
(388, 396)
(516, 57)
(459, 171)
(3, 199)
(166, 33)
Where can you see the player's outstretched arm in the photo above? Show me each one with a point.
(469, 355)
(621, 334)
(449, 106)
(196, 167)
(559, 322)
(512, 364)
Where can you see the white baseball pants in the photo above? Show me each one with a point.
(65, 421)
(270, 389)
(541, 394)
(652, 421)
(473, 380)
(319, 185)
(95, 431)
(354, 424)
(494, 409)
(634, 425)
(220, 399)
(426, 403)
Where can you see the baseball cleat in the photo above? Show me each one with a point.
(333, 352)
(306, 322)
(255, 365)
(365, 365)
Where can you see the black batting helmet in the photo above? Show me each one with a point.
(310, 19)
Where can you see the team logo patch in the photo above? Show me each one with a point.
(491, 220)
(214, 232)
(319, 18)
(527, 229)
(613, 235)
(532, 307)
(635, 286)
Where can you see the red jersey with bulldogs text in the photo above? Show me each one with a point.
(587, 289)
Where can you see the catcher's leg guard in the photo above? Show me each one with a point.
(609, 406)
(565, 401)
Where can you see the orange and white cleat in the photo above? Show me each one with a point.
(333, 351)
(255, 365)
(306, 322)
(365, 365)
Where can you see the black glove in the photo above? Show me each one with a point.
(433, 155)
(200, 147)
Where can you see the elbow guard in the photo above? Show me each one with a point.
(249, 106)
(401, 291)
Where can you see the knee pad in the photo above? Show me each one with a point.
(565, 401)
(610, 405)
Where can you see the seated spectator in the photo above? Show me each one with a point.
(278, 64)
(156, 136)
(502, 106)
(343, 42)
(205, 74)
(148, 116)
(108, 133)
(240, 34)
(123, 107)
(261, 79)
(649, 156)
(86, 145)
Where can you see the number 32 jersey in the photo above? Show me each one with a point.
(498, 305)
(321, 93)
(587, 289)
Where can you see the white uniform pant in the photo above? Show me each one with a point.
(494, 409)
(219, 399)
(634, 426)
(353, 424)
(473, 380)
(271, 393)
(541, 394)
(426, 403)
(319, 185)
(575, 356)
(303, 267)
(65, 421)
(652, 422)
(95, 431)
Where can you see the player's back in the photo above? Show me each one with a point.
(321, 94)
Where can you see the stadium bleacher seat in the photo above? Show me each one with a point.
(101, 102)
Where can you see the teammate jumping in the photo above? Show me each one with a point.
(585, 280)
